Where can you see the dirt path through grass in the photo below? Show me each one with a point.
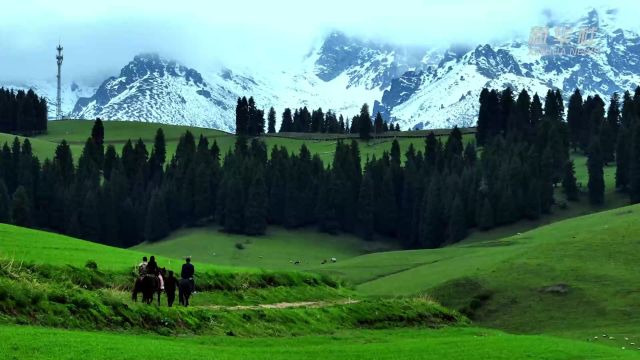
(284, 305)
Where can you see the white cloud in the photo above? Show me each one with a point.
(101, 36)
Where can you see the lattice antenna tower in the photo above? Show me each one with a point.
(59, 96)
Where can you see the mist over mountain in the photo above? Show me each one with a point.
(416, 87)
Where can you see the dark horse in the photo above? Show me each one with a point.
(148, 285)
(184, 291)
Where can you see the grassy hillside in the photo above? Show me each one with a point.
(75, 132)
(278, 249)
(449, 343)
(40, 247)
(572, 277)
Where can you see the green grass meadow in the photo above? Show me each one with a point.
(449, 343)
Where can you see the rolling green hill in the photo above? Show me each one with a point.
(278, 249)
(572, 277)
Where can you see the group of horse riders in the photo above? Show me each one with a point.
(163, 280)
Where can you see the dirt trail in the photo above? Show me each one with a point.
(283, 305)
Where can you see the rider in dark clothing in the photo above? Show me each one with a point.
(152, 266)
(187, 272)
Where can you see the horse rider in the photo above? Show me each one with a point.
(142, 267)
(188, 271)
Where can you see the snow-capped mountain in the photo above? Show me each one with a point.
(415, 87)
(448, 95)
(340, 74)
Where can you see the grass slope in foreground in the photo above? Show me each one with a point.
(449, 343)
(577, 277)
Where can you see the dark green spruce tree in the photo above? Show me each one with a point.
(596, 173)
(157, 221)
(634, 165)
(364, 121)
(21, 208)
(366, 208)
(569, 185)
(271, 119)
(257, 206)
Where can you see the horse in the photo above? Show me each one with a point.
(185, 289)
(148, 285)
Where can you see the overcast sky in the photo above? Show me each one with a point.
(99, 37)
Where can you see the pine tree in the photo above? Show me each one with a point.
(536, 111)
(623, 153)
(157, 221)
(89, 218)
(366, 208)
(378, 124)
(160, 147)
(457, 221)
(97, 132)
(386, 208)
(272, 121)
(596, 174)
(522, 113)
(569, 185)
(287, 121)
(21, 208)
(613, 114)
(634, 165)
(575, 119)
(242, 116)
(202, 193)
(257, 206)
(364, 123)
(234, 203)
(486, 218)
(110, 158)
(484, 118)
(5, 204)
(63, 164)
(432, 225)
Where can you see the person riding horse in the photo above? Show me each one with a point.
(149, 281)
(187, 284)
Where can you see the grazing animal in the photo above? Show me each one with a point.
(297, 262)
(184, 291)
(334, 259)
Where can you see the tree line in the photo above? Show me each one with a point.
(423, 197)
(604, 135)
(22, 112)
(250, 121)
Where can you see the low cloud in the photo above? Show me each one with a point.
(100, 37)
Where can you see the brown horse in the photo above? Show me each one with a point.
(148, 285)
